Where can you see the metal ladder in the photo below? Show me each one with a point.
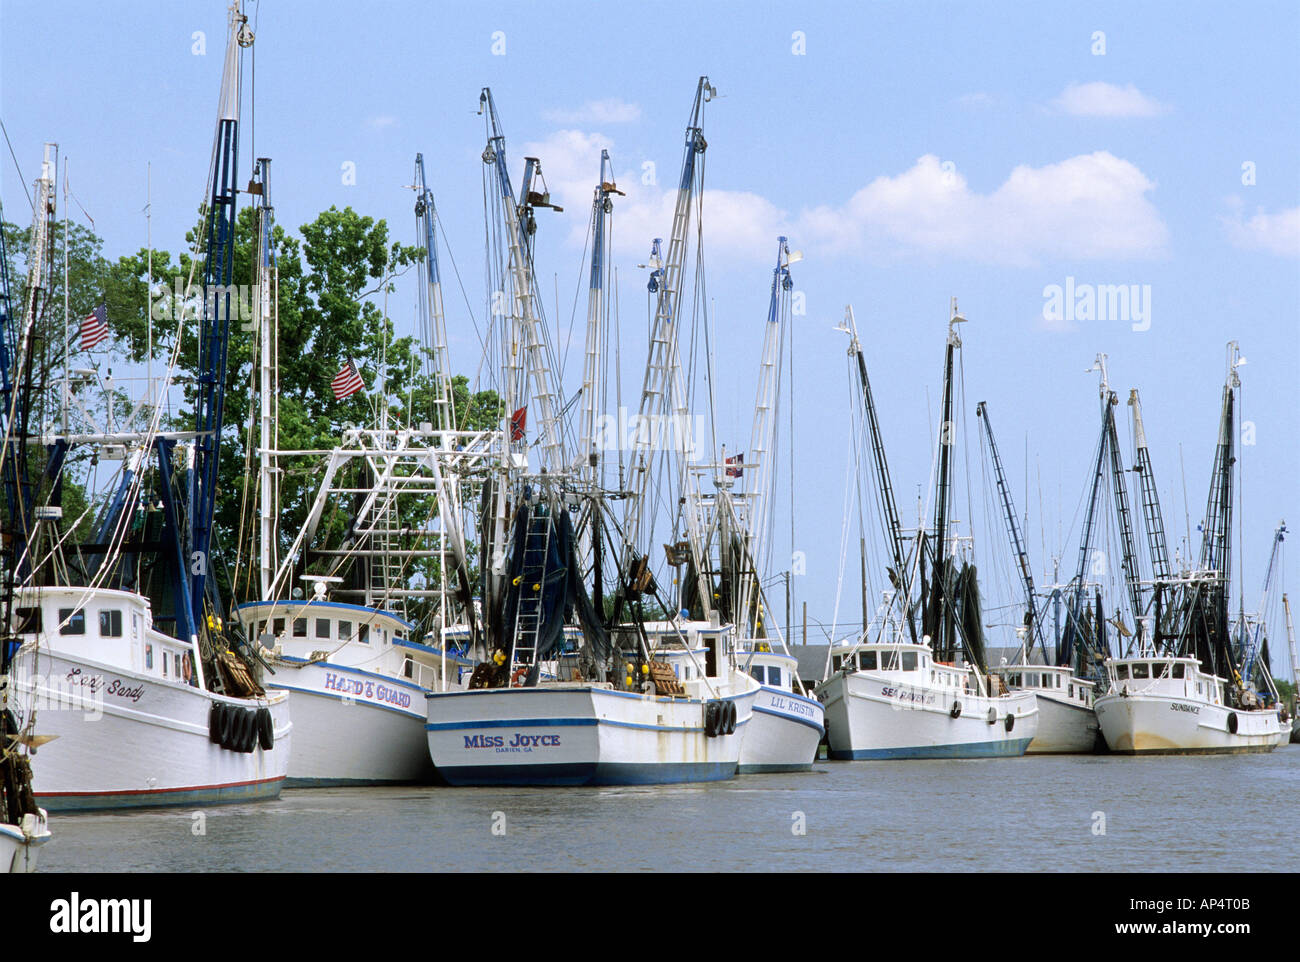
(532, 581)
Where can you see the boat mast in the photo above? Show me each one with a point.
(1129, 557)
(762, 439)
(214, 332)
(267, 307)
(944, 640)
(1073, 643)
(590, 465)
(660, 392)
(902, 569)
(1013, 529)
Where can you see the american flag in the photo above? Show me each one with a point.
(518, 423)
(94, 329)
(739, 466)
(347, 382)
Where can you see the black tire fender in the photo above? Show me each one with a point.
(1232, 722)
(955, 711)
(227, 724)
(265, 729)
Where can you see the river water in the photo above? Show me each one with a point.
(1032, 814)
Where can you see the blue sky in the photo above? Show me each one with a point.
(913, 151)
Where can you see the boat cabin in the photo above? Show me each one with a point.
(102, 625)
(1157, 675)
(771, 669)
(1047, 679)
(908, 663)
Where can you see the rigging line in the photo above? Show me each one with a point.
(18, 167)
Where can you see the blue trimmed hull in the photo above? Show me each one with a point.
(611, 773)
(213, 795)
(1005, 748)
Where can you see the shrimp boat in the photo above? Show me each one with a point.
(684, 724)
(1185, 690)
(893, 700)
(1169, 706)
(358, 666)
(900, 691)
(638, 700)
(787, 725)
(1067, 723)
(24, 827)
(131, 715)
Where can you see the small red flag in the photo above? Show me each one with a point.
(518, 421)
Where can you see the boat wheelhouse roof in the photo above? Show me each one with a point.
(299, 608)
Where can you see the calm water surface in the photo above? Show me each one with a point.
(1215, 813)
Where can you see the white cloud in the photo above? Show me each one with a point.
(1100, 99)
(1089, 206)
(1273, 233)
(381, 121)
(608, 111)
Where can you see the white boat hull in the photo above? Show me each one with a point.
(576, 734)
(783, 733)
(128, 740)
(1150, 724)
(20, 845)
(1064, 728)
(873, 718)
(354, 728)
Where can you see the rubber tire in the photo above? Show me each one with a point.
(214, 723)
(250, 728)
(728, 718)
(993, 716)
(1232, 722)
(265, 729)
(711, 719)
(955, 712)
(1010, 723)
(227, 723)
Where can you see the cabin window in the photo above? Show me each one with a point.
(363, 634)
(322, 627)
(1121, 672)
(407, 668)
(300, 627)
(909, 661)
(76, 621)
(1178, 671)
(1031, 681)
(837, 662)
(1013, 679)
(110, 623)
(28, 621)
(148, 655)
(1199, 689)
(278, 626)
(759, 673)
(164, 664)
(867, 660)
(1141, 671)
(774, 676)
(345, 631)
(1071, 691)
